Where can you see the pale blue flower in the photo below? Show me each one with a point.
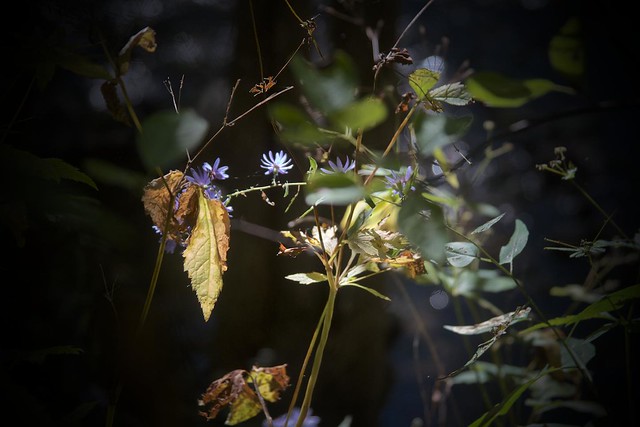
(276, 163)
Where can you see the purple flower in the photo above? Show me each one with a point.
(339, 167)
(399, 183)
(278, 163)
(171, 244)
(309, 421)
(200, 176)
(204, 177)
(216, 171)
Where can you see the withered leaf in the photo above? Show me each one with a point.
(156, 199)
(292, 252)
(262, 87)
(205, 257)
(145, 38)
(109, 90)
(237, 390)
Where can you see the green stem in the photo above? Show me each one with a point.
(317, 360)
(307, 357)
(111, 409)
(533, 305)
(599, 208)
(264, 187)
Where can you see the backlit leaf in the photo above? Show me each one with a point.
(205, 257)
(516, 243)
(307, 278)
(422, 80)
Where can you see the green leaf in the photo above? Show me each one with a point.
(461, 254)
(51, 169)
(516, 244)
(422, 80)
(363, 114)
(487, 225)
(335, 188)
(39, 356)
(482, 372)
(328, 89)
(371, 291)
(566, 49)
(205, 257)
(79, 65)
(453, 94)
(307, 278)
(435, 131)
(497, 90)
(113, 174)
(296, 127)
(422, 222)
(488, 418)
(596, 310)
(166, 137)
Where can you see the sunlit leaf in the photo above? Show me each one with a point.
(487, 225)
(166, 137)
(453, 94)
(516, 243)
(236, 390)
(499, 322)
(497, 90)
(598, 309)
(205, 257)
(307, 278)
(422, 80)
(145, 39)
(271, 381)
(461, 254)
(363, 114)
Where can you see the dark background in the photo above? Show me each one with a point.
(82, 273)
